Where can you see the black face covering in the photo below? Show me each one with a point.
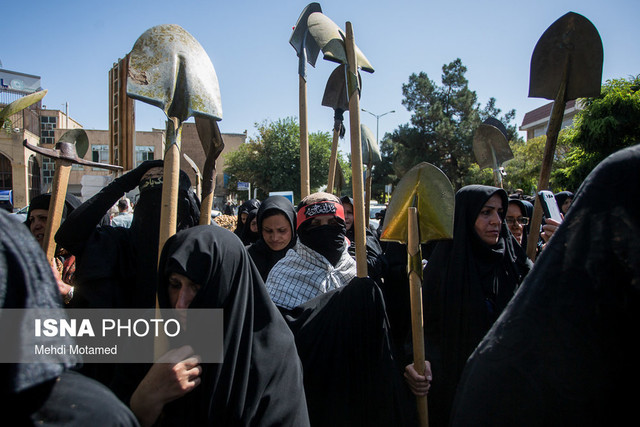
(327, 240)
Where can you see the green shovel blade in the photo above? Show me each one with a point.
(428, 189)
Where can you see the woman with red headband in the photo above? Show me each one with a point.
(340, 325)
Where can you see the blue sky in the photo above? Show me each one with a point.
(73, 44)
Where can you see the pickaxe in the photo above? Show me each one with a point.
(212, 143)
(307, 50)
(566, 64)
(70, 149)
(420, 210)
(196, 171)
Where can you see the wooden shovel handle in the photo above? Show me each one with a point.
(304, 141)
(332, 162)
(356, 161)
(415, 284)
(56, 206)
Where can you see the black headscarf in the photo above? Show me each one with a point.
(248, 236)
(263, 256)
(467, 284)
(44, 393)
(42, 202)
(561, 197)
(259, 381)
(565, 350)
(246, 207)
(526, 209)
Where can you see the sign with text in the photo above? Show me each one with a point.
(243, 185)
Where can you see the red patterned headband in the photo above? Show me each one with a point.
(324, 207)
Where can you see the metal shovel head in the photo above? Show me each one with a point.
(300, 39)
(572, 41)
(428, 189)
(490, 147)
(370, 149)
(331, 38)
(335, 93)
(20, 104)
(79, 138)
(168, 68)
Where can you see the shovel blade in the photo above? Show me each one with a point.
(490, 147)
(20, 104)
(370, 149)
(427, 188)
(331, 38)
(571, 43)
(168, 68)
(302, 42)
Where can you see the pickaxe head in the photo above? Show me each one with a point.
(71, 146)
(429, 190)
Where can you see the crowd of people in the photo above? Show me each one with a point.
(508, 340)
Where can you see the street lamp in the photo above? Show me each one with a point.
(377, 116)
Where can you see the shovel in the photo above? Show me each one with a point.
(70, 149)
(212, 143)
(340, 47)
(196, 171)
(19, 105)
(370, 155)
(335, 96)
(420, 210)
(566, 64)
(491, 147)
(307, 50)
(168, 68)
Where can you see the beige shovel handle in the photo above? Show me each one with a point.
(333, 161)
(304, 141)
(356, 160)
(56, 206)
(415, 284)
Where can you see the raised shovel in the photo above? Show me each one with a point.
(340, 47)
(336, 97)
(211, 139)
(168, 68)
(370, 155)
(420, 210)
(566, 64)
(70, 149)
(307, 50)
(491, 147)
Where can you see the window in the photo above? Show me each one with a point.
(144, 153)
(47, 125)
(100, 154)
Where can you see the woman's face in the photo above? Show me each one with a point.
(487, 225)
(276, 232)
(348, 215)
(243, 217)
(566, 205)
(513, 213)
(254, 225)
(181, 290)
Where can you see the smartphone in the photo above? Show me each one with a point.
(549, 205)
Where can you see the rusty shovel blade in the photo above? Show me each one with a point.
(572, 43)
(428, 189)
(169, 69)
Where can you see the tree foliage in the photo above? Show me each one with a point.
(271, 161)
(443, 121)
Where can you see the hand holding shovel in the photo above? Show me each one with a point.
(420, 210)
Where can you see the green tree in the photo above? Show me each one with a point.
(271, 161)
(443, 121)
(607, 124)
